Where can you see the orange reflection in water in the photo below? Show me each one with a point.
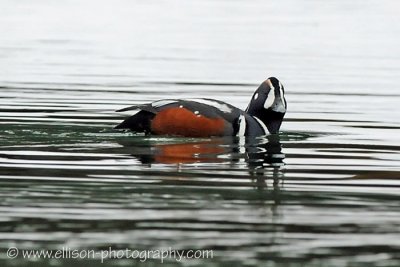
(190, 152)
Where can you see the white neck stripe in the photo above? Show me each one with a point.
(265, 129)
(282, 96)
(242, 126)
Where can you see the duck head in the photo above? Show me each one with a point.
(269, 104)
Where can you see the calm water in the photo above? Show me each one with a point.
(325, 192)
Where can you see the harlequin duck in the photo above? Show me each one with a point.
(205, 117)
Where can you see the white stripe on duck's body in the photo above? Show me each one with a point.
(203, 117)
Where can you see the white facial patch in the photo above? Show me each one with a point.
(223, 107)
(270, 98)
(255, 96)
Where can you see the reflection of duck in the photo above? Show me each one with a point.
(189, 152)
(266, 151)
(208, 117)
(256, 152)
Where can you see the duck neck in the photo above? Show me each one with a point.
(271, 119)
